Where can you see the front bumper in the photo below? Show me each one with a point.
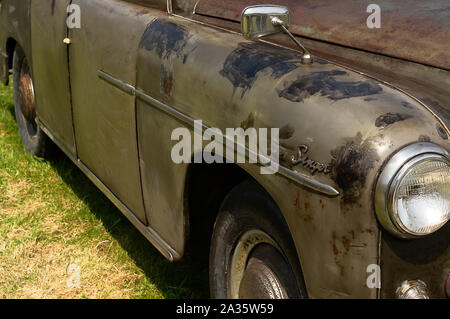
(426, 260)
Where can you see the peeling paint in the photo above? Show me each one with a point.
(244, 64)
(390, 118)
(351, 164)
(167, 39)
(286, 132)
(327, 84)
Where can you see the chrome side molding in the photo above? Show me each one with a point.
(292, 175)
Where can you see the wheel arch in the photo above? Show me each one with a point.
(199, 223)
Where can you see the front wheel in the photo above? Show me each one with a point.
(31, 135)
(252, 253)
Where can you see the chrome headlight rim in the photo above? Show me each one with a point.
(394, 169)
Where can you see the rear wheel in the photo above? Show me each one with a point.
(252, 253)
(33, 138)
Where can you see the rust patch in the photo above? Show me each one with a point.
(308, 218)
(346, 243)
(387, 119)
(286, 132)
(167, 39)
(333, 243)
(321, 203)
(307, 206)
(249, 122)
(441, 131)
(336, 252)
(244, 64)
(351, 164)
(352, 233)
(326, 83)
(167, 82)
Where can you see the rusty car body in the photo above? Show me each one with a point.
(138, 69)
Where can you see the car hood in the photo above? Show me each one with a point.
(412, 30)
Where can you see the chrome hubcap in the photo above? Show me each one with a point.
(26, 98)
(259, 281)
(251, 277)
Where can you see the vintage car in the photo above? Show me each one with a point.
(360, 203)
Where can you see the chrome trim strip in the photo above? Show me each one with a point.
(292, 175)
(169, 7)
(387, 175)
(166, 108)
(125, 87)
(308, 182)
(152, 236)
(194, 10)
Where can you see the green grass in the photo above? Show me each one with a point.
(52, 216)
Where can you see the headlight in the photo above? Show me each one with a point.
(412, 196)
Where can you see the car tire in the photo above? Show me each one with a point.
(252, 255)
(33, 138)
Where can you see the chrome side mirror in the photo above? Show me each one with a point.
(256, 21)
(265, 20)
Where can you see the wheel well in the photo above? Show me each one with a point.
(207, 185)
(10, 46)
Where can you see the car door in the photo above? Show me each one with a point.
(103, 72)
(50, 69)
